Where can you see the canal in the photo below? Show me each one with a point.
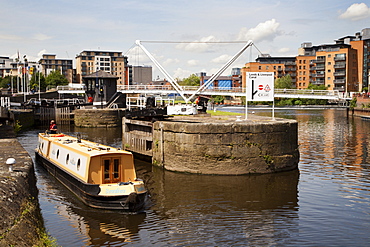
(326, 203)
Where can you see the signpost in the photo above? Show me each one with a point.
(260, 87)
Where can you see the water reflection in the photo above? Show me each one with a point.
(326, 203)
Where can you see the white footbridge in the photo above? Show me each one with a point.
(190, 93)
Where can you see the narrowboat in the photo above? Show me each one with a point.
(101, 176)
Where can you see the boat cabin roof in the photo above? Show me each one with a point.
(83, 146)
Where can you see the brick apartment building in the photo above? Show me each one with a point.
(343, 66)
(113, 62)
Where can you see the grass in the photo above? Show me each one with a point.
(224, 113)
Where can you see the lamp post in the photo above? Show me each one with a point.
(38, 70)
(24, 81)
(11, 81)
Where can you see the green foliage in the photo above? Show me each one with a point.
(316, 87)
(192, 80)
(6, 82)
(55, 78)
(365, 89)
(34, 82)
(17, 126)
(218, 99)
(353, 103)
(284, 82)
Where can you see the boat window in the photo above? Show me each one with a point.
(67, 159)
(116, 168)
(58, 154)
(106, 169)
(78, 164)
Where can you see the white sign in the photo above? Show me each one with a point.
(260, 86)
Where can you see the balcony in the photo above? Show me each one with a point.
(340, 73)
(340, 58)
(340, 66)
(318, 68)
(339, 81)
(290, 63)
(318, 61)
(320, 75)
(317, 82)
(290, 69)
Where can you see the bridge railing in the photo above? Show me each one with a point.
(307, 92)
(170, 88)
(290, 93)
(69, 88)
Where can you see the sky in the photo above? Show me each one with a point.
(66, 28)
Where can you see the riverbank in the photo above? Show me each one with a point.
(21, 220)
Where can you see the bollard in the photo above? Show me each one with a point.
(10, 162)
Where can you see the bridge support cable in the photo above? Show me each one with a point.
(177, 87)
(221, 70)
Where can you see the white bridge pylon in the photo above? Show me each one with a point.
(177, 87)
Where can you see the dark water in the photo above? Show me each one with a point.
(326, 203)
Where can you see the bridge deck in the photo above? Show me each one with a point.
(224, 91)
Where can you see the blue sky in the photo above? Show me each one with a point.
(65, 28)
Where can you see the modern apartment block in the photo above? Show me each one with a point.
(141, 75)
(342, 66)
(113, 62)
(281, 66)
(49, 63)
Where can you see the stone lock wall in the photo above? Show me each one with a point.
(226, 148)
(98, 118)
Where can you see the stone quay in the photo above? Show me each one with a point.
(215, 145)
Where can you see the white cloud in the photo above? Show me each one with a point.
(198, 45)
(182, 73)
(221, 59)
(42, 52)
(283, 50)
(137, 57)
(41, 37)
(267, 30)
(10, 37)
(170, 61)
(193, 62)
(356, 11)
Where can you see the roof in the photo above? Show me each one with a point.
(101, 74)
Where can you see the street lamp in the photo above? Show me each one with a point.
(38, 70)
(24, 81)
(11, 81)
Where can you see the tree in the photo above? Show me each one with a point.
(192, 80)
(6, 82)
(34, 82)
(316, 87)
(55, 78)
(284, 82)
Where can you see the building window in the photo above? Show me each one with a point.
(259, 67)
(267, 67)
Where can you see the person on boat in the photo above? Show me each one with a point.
(53, 127)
